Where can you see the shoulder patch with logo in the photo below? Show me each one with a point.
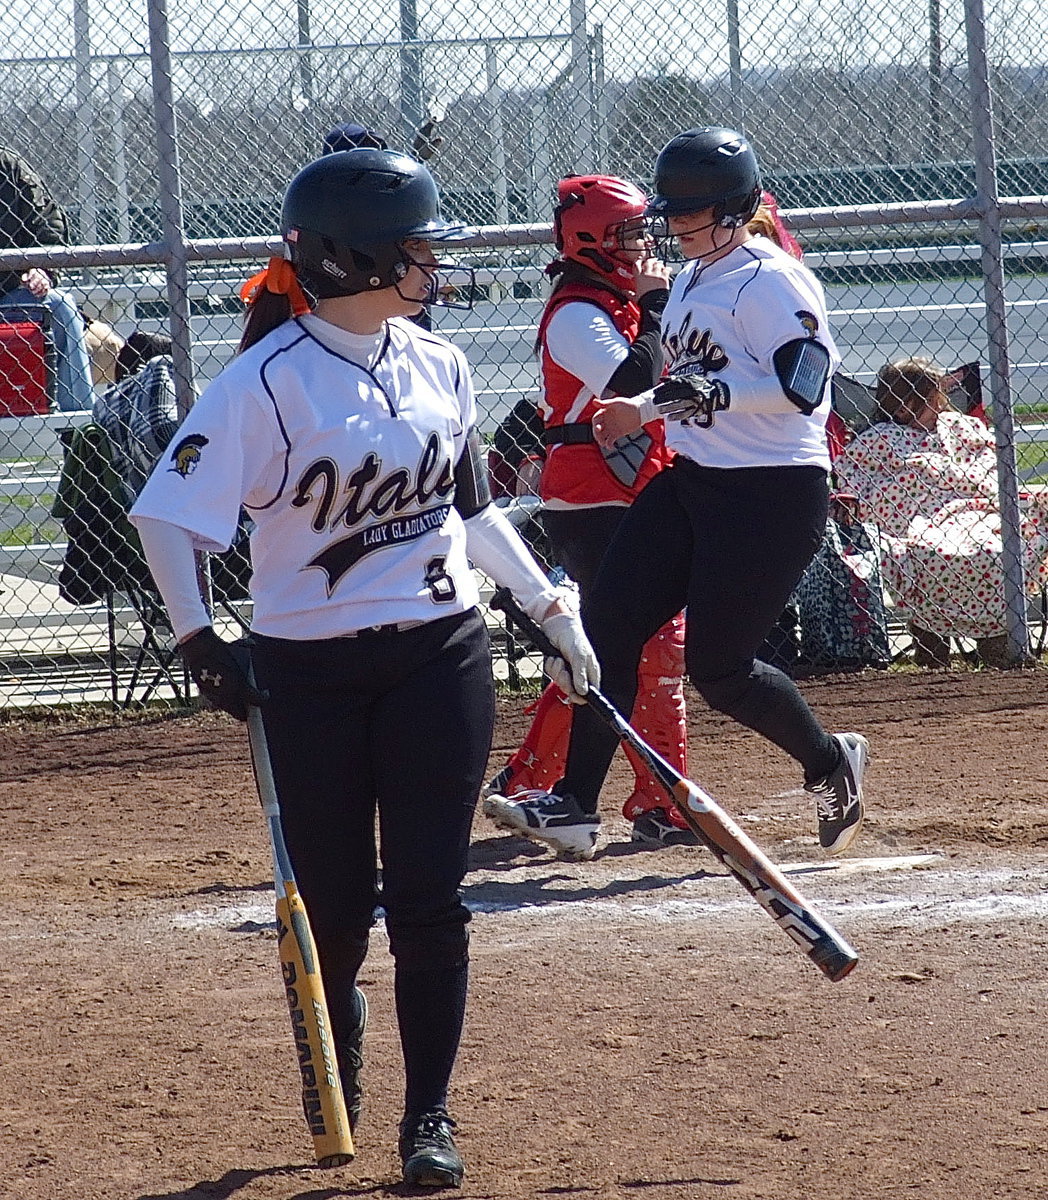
(186, 455)
(809, 321)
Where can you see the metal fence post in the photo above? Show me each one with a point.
(176, 258)
(170, 197)
(582, 85)
(493, 93)
(411, 81)
(981, 100)
(738, 104)
(118, 98)
(86, 147)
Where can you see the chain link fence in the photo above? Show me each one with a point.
(166, 139)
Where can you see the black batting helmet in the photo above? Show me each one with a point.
(346, 216)
(705, 168)
(351, 136)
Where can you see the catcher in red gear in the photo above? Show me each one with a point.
(599, 337)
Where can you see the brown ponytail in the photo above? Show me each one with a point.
(272, 296)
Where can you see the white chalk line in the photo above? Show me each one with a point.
(934, 894)
(261, 914)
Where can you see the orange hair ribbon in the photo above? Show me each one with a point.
(278, 277)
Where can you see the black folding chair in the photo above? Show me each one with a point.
(103, 563)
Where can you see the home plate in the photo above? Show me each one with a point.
(851, 866)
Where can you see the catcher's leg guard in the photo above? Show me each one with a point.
(659, 717)
(539, 762)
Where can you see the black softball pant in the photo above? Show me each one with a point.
(730, 545)
(397, 723)
(579, 537)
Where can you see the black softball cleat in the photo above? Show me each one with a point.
(838, 797)
(428, 1152)
(654, 828)
(350, 1054)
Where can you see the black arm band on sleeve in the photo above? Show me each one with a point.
(472, 492)
(641, 368)
(803, 366)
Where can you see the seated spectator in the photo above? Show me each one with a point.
(139, 414)
(30, 217)
(926, 476)
(103, 345)
(139, 411)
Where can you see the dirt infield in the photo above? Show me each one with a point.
(638, 1027)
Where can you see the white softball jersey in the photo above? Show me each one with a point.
(726, 321)
(342, 450)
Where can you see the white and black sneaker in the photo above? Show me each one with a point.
(654, 828)
(838, 797)
(546, 817)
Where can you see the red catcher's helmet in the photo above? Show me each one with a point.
(587, 223)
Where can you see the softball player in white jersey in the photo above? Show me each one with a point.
(728, 528)
(348, 436)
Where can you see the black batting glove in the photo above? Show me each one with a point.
(217, 673)
(693, 398)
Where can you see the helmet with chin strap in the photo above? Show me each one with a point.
(709, 168)
(588, 223)
(346, 216)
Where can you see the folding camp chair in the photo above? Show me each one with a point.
(104, 564)
(156, 658)
(855, 402)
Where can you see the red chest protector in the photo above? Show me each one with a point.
(575, 471)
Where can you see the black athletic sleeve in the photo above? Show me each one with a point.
(652, 305)
(641, 368)
(472, 492)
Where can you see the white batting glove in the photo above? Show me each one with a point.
(692, 398)
(578, 670)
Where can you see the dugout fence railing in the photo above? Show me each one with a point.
(167, 136)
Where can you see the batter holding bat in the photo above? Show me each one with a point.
(729, 527)
(348, 435)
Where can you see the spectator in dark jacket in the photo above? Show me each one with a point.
(29, 216)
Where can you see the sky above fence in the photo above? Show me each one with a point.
(691, 37)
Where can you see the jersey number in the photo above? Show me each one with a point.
(441, 585)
